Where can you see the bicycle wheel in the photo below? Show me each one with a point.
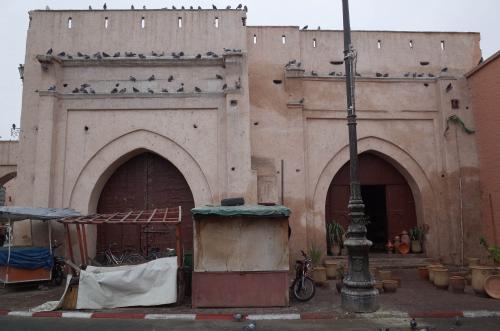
(134, 258)
(305, 291)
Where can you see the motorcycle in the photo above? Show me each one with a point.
(57, 267)
(303, 287)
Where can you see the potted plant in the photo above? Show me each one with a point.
(335, 237)
(493, 251)
(340, 277)
(318, 272)
(417, 236)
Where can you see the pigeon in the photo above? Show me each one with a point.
(161, 54)
(70, 57)
(299, 64)
(85, 91)
(215, 55)
(197, 89)
(79, 54)
(84, 85)
(90, 7)
(142, 56)
(245, 8)
(97, 55)
(191, 7)
(378, 74)
(113, 91)
(250, 327)
(228, 7)
(130, 54)
(430, 75)
(92, 91)
(219, 76)
(144, 7)
(117, 54)
(135, 89)
(407, 74)
(237, 85)
(153, 53)
(183, 8)
(449, 87)
(75, 90)
(224, 87)
(170, 78)
(210, 53)
(214, 7)
(49, 52)
(132, 7)
(181, 89)
(386, 75)
(301, 101)
(198, 56)
(132, 78)
(62, 54)
(357, 74)
(319, 28)
(413, 324)
(414, 74)
(47, 8)
(151, 78)
(150, 91)
(173, 7)
(104, 54)
(305, 27)
(239, 6)
(117, 84)
(227, 50)
(420, 75)
(314, 73)
(164, 90)
(52, 88)
(86, 57)
(181, 53)
(199, 7)
(445, 69)
(104, 6)
(123, 90)
(332, 73)
(340, 74)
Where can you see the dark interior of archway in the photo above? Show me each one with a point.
(146, 181)
(387, 196)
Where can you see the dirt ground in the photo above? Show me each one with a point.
(415, 295)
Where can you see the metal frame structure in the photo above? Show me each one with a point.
(167, 216)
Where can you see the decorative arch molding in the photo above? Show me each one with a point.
(412, 171)
(96, 172)
(7, 174)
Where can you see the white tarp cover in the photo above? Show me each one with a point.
(148, 284)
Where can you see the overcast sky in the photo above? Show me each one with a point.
(414, 15)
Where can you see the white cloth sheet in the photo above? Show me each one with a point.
(148, 284)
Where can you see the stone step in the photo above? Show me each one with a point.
(395, 261)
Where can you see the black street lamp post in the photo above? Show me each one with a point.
(358, 293)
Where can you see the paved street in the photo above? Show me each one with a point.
(51, 324)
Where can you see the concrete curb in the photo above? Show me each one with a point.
(253, 317)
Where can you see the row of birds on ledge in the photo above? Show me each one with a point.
(87, 89)
(239, 7)
(101, 55)
(297, 65)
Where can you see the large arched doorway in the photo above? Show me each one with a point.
(387, 196)
(146, 181)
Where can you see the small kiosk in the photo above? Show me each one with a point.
(240, 256)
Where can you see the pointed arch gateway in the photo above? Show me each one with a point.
(147, 181)
(387, 196)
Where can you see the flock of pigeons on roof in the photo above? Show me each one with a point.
(297, 65)
(239, 7)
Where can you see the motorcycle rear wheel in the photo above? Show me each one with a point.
(303, 292)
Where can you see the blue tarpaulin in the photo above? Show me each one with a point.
(26, 257)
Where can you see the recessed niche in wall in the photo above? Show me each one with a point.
(443, 46)
(106, 22)
(179, 22)
(277, 81)
(70, 22)
(379, 44)
(143, 22)
(283, 39)
(254, 38)
(455, 104)
(315, 43)
(216, 22)
(234, 103)
(411, 44)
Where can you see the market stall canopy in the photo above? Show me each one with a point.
(165, 215)
(15, 213)
(245, 210)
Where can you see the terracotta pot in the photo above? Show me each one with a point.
(479, 274)
(405, 238)
(331, 269)
(384, 274)
(319, 274)
(441, 278)
(416, 246)
(423, 273)
(472, 261)
(389, 285)
(492, 286)
(404, 248)
(457, 284)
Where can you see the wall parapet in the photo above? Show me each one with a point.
(9, 151)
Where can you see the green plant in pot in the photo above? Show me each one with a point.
(336, 237)
(417, 234)
(493, 251)
(318, 271)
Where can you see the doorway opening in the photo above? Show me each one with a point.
(376, 211)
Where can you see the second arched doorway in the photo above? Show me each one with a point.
(388, 199)
(146, 181)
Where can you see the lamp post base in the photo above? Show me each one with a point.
(359, 300)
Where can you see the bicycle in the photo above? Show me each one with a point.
(126, 257)
(303, 286)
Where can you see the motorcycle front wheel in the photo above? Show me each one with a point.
(303, 291)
